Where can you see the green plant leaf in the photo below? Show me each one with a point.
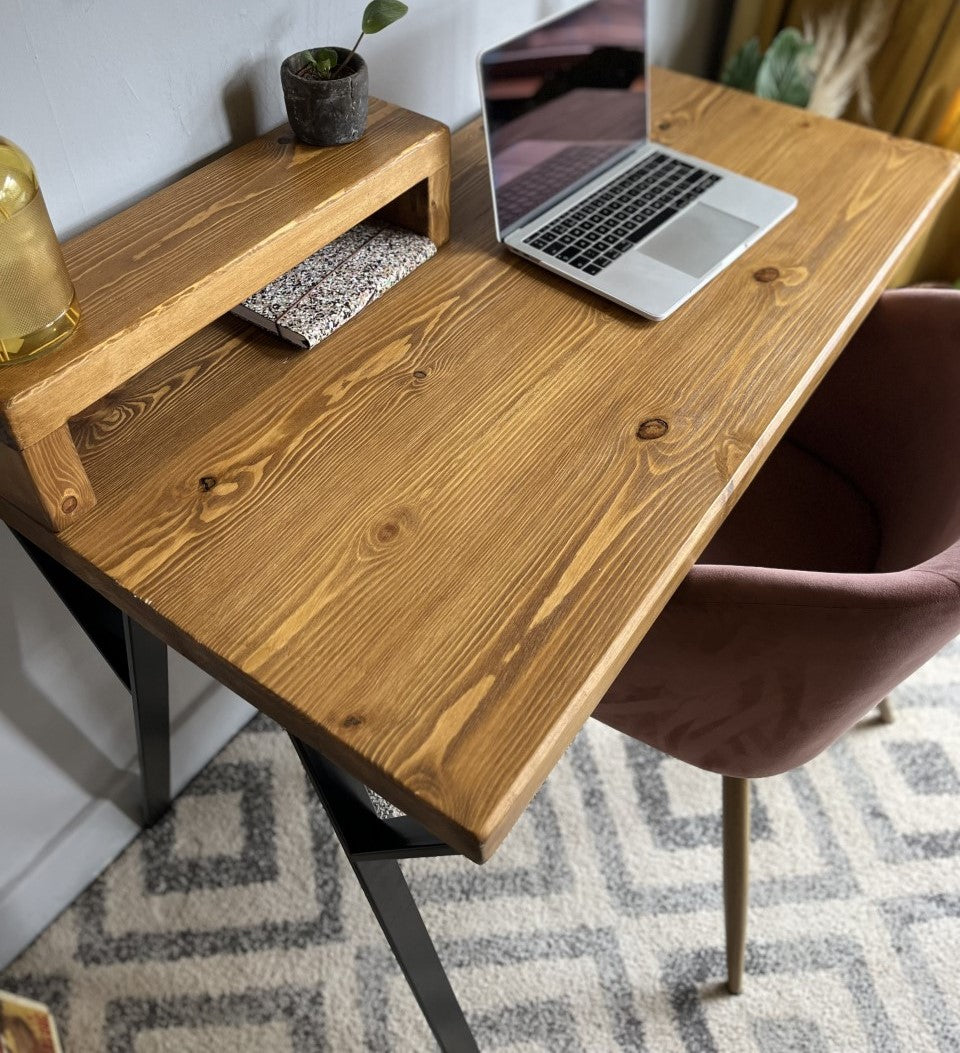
(741, 71)
(786, 72)
(382, 13)
(322, 61)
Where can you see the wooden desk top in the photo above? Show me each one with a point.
(428, 546)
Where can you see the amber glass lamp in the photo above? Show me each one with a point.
(38, 308)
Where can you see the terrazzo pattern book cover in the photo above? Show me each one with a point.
(328, 288)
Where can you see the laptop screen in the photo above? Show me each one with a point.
(563, 101)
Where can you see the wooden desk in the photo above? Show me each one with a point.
(427, 547)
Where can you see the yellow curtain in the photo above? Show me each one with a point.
(915, 82)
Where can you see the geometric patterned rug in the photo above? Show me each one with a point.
(235, 924)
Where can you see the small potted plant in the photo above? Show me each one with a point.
(326, 89)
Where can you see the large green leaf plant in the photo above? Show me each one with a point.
(324, 62)
(786, 71)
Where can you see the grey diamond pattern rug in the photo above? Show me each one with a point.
(235, 924)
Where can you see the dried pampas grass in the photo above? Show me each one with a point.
(842, 58)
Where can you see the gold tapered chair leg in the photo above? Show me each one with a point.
(736, 875)
(886, 711)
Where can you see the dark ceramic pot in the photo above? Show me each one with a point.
(326, 112)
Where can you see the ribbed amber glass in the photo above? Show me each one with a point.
(38, 308)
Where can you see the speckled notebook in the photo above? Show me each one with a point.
(309, 302)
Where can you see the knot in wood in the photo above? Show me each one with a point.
(386, 532)
(654, 428)
(420, 374)
(352, 721)
(663, 126)
(766, 274)
(207, 483)
(68, 505)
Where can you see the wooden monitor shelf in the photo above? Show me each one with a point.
(154, 275)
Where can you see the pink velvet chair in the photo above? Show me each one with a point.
(835, 577)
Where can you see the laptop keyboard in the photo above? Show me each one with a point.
(541, 182)
(604, 226)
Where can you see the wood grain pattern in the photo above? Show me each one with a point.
(158, 272)
(425, 207)
(429, 545)
(46, 480)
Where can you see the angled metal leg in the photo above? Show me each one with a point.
(137, 657)
(373, 846)
(147, 670)
(393, 905)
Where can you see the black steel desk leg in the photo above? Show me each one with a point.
(147, 668)
(387, 892)
(138, 659)
(373, 845)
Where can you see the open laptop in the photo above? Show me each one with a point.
(578, 186)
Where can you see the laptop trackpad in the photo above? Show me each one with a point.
(698, 240)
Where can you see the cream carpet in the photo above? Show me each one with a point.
(235, 925)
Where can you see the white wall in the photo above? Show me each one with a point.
(112, 99)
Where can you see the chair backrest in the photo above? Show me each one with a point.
(889, 419)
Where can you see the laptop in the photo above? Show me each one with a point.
(578, 186)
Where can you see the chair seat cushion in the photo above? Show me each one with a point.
(798, 514)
